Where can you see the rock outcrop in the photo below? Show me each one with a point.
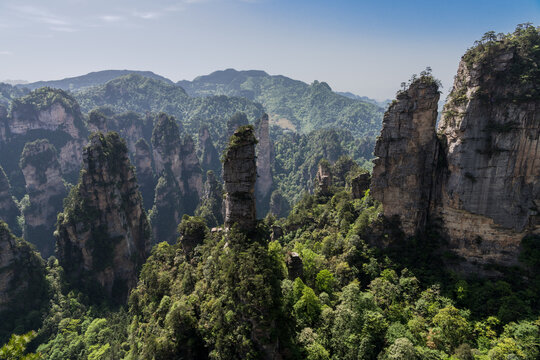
(192, 175)
(22, 277)
(295, 265)
(145, 172)
(131, 126)
(240, 174)
(323, 178)
(207, 152)
(46, 190)
(53, 114)
(8, 208)
(491, 193)
(211, 205)
(263, 186)
(359, 185)
(404, 167)
(180, 183)
(481, 182)
(103, 235)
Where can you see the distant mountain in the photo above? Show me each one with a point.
(141, 94)
(350, 95)
(292, 103)
(9, 92)
(90, 79)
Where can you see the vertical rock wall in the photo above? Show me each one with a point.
(404, 168)
(103, 235)
(46, 191)
(240, 174)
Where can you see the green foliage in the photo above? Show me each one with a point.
(522, 72)
(305, 107)
(142, 95)
(15, 349)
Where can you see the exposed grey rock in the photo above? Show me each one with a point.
(103, 235)
(323, 180)
(46, 190)
(240, 174)
(295, 265)
(145, 172)
(22, 274)
(491, 194)
(405, 155)
(263, 186)
(180, 185)
(207, 152)
(359, 185)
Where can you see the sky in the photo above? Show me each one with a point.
(365, 47)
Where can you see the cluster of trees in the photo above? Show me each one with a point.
(232, 295)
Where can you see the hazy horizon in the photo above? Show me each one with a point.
(356, 46)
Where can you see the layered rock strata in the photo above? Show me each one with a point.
(240, 174)
(46, 190)
(103, 235)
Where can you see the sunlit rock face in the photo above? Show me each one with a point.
(478, 175)
(491, 194)
(405, 151)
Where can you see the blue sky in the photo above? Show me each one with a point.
(366, 47)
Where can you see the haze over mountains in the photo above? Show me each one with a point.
(289, 102)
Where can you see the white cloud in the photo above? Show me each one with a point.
(66, 29)
(112, 18)
(146, 15)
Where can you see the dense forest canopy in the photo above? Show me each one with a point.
(322, 274)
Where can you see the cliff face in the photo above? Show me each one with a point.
(405, 151)
(323, 178)
(240, 174)
(54, 114)
(263, 186)
(22, 274)
(207, 152)
(211, 206)
(46, 190)
(131, 126)
(145, 172)
(8, 209)
(180, 183)
(491, 195)
(483, 178)
(103, 235)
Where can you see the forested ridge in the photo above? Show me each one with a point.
(163, 251)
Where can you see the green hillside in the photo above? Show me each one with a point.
(292, 103)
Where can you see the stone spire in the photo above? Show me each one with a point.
(405, 155)
(103, 235)
(46, 190)
(240, 174)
